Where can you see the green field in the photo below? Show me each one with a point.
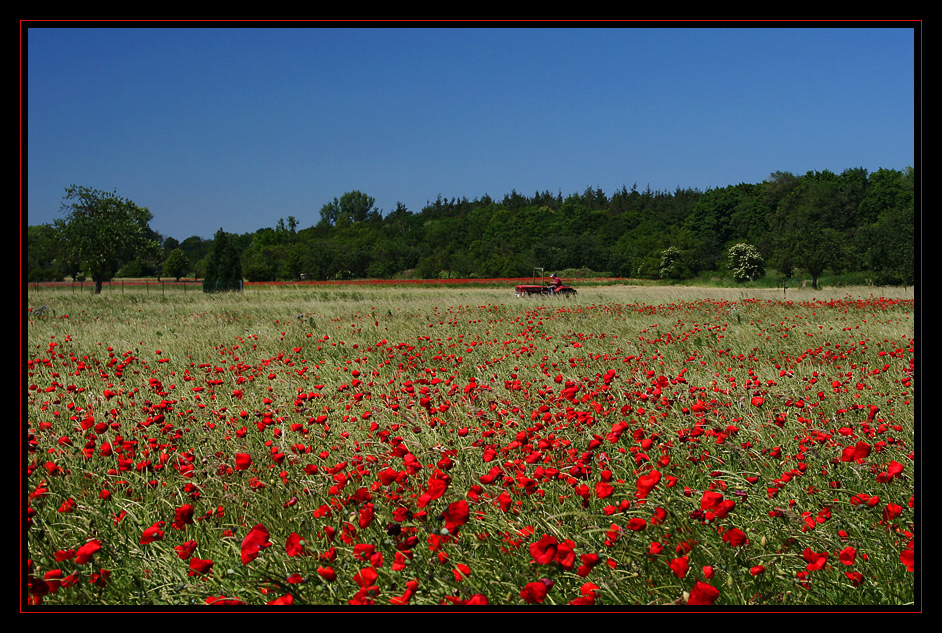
(389, 446)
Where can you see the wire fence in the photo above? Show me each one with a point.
(121, 285)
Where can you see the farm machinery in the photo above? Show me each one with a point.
(539, 286)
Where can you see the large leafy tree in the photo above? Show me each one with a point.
(888, 241)
(102, 230)
(804, 231)
(176, 265)
(350, 208)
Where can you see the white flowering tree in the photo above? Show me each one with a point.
(745, 262)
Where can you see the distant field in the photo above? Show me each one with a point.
(148, 284)
(414, 445)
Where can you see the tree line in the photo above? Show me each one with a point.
(820, 221)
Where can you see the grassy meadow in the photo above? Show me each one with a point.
(394, 446)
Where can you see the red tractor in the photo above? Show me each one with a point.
(540, 286)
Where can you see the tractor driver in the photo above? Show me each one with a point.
(557, 283)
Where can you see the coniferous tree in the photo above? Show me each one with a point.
(223, 266)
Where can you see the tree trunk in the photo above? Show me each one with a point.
(98, 284)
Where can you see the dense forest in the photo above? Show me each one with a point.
(852, 222)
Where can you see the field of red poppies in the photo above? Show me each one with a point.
(438, 446)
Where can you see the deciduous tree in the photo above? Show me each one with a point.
(350, 208)
(102, 230)
(176, 265)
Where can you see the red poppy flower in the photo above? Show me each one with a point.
(646, 483)
(151, 534)
(710, 500)
(411, 587)
(456, 515)
(363, 551)
(603, 489)
(565, 555)
(222, 600)
(254, 542)
(243, 461)
(802, 577)
(477, 599)
(62, 555)
(327, 573)
(461, 571)
(893, 470)
(864, 499)
(891, 511)
(399, 562)
(183, 516)
(588, 562)
(589, 593)
(294, 545)
(660, 514)
(735, 537)
(437, 486)
(655, 549)
(186, 550)
(535, 592)
(367, 512)
(544, 550)
(100, 578)
(758, 569)
(200, 566)
(815, 560)
(908, 556)
(85, 552)
(365, 577)
(637, 525)
(847, 555)
(703, 594)
(679, 566)
(856, 453)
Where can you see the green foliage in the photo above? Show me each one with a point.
(223, 265)
(195, 248)
(101, 230)
(44, 253)
(745, 262)
(890, 247)
(350, 208)
(819, 223)
(139, 267)
(176, 265)
(672, 264)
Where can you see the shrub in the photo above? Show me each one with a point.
(745, 262)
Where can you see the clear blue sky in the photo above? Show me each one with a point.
(238, 127)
